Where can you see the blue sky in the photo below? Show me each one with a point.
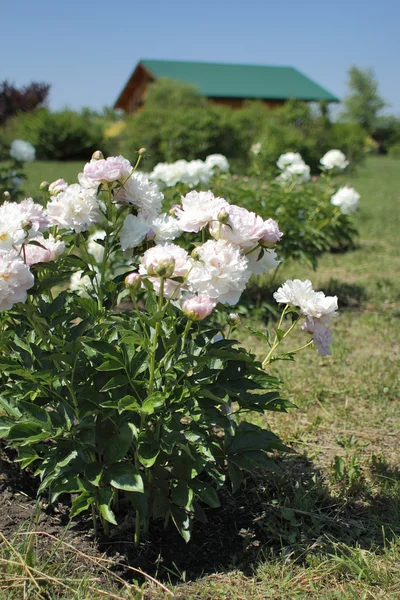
(87, 49)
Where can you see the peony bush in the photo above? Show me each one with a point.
(117, 385)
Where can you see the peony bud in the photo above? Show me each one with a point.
(26, 225)
(142, 151)
(197, 308)
(7, 196)
(233, 319)
(98, 155)
(272, 234)
(223, 216)
(133, 281)
(162, 268)
(195, 254)
(44, 186)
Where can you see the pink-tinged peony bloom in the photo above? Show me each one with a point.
(114, 168)
(15, 279)
(198, 209)
(321, 335)
(57, 186)
(160, 259)
(49, 250)
(35, 215)
(221, 271)
(334, 158)
(197, 308)
(243, 228)
(272, 234)
(75, 209)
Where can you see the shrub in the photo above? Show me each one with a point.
(65, 135)
(394, 150)
(142, 401)
(26, 99)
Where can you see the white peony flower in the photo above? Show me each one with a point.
(265, 263)
(196, 172)
(170, 174)
(312, 304)
(243, 228)
(22, 151)
(143, 193)
(77, 208)
(166, 254)
(15, 279)
(288, 159)
(164, 228)
(346, 198)
(217, 160)
(334, 158)
(49, 250)
(220, 273)
(198, 209)
(298, 171)
(134, 231)
(94, 248)
(20, 222)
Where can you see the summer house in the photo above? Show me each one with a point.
(227, 84)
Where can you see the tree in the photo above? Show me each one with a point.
(25, 99)
(363, 103)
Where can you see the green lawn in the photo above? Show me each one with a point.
(329, 522)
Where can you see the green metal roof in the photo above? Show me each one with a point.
(219, 80)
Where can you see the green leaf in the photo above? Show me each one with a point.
(235, 475)
(24, 431)
(104, 500)
(205, 492)
(110, 365)
(152, 403)
(71, 456)
(148, 452)
(81, 503)
(118, 445)
(115, 382)
(124, 476)
(182, 495)
(93, 473)
(182, 522)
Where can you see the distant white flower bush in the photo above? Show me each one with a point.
(191, 173)
(347, 199)
(22, 151)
